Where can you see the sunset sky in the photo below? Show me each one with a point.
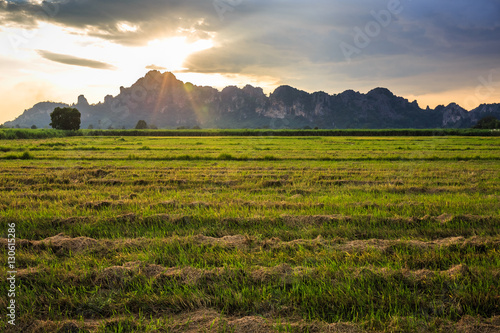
(434, 51)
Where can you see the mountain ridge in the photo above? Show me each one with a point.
(166, 102)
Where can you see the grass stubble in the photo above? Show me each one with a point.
(253, 234)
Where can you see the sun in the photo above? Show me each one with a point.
(170, 53)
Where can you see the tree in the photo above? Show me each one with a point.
(141, 124)
(489, 122)
(34, 127)
(67, 119)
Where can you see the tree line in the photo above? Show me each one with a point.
(69, 119)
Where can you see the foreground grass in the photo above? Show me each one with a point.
(125, 234)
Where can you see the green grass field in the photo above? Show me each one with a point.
(252, 234)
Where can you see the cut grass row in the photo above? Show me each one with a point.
(254, 149)
(286, 227)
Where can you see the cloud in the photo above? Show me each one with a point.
(74, 61)
(306, 28)
(448, 43)
(106, 18)
(454, 41)
(157, 68)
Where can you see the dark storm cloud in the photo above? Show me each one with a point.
(290, 38)
(304, 27)
(438, 39)
(101, 18)
(74, 61)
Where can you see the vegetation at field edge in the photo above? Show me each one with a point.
(11, 134)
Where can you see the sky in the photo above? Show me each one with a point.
(432, 51)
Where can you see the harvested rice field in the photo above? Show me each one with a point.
(250, 234)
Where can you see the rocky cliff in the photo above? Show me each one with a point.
(165, 102)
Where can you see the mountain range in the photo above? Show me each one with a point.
(163, 101)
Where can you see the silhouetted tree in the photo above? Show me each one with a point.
(34, 127)
(141, 124)
(489, 122)
(67, 119)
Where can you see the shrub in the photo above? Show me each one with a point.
(141, 124)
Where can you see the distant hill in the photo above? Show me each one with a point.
(165, 102)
